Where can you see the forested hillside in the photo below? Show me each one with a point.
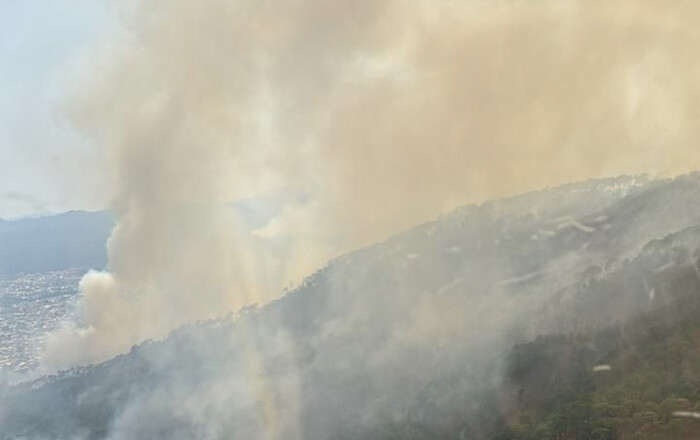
(638, 379)
(570, 313)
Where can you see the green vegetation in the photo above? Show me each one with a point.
(654, 360)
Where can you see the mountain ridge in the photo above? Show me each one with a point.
(405, 333)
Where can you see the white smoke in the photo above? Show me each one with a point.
(386, 112)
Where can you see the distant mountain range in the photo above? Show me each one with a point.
(78, 239)
(75, 239)
(478, 325)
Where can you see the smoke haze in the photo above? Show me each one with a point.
(382, 113)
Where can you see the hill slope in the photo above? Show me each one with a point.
(413, 337)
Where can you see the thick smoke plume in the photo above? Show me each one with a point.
(383, 113)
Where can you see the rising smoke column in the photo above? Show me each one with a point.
(385, 112)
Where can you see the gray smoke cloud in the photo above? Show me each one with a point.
(384, 113)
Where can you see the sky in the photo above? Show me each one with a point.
(42, 45)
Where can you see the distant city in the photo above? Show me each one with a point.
(31, 305)
(41, 263)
